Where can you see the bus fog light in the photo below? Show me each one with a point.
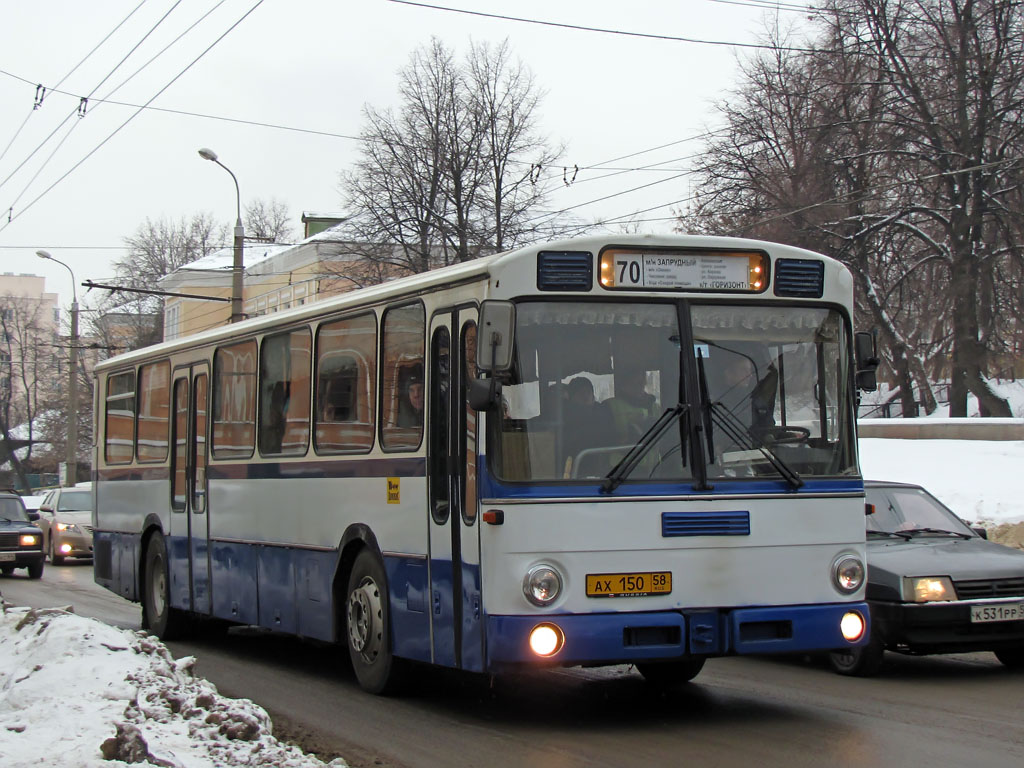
(852, 626)
(546, 640)
(848, 573)
(542, 585)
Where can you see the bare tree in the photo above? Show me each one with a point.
(29, 363)
(155, 250)
(895, 147)
(268, 220)
(445, 178)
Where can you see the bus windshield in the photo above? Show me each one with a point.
(769, 386)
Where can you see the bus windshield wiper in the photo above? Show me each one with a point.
(633, 456)
(739, 434)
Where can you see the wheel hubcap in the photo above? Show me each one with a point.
(158, 588)
(366, 620)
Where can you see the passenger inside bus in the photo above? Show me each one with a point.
(410, 409)
(632, 409)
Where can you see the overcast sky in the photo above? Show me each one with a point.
(313, 65)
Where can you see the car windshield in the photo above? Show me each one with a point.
(75, 501)
(912, 511)
(596, 382)
(13, 510)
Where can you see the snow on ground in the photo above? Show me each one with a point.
(977, 479)
(76, 692)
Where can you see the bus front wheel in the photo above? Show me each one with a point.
(670, 674)
(367, 623)
(157, 615)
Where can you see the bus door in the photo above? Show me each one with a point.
(456, 610)
(190, 572)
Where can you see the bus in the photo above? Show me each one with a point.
(628, 449)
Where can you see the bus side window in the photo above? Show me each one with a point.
(346, 378)
(234, 400)
(402, 394)
(284, 393)
(119, 428)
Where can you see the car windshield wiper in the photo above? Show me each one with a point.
(915, 531)
(739, 434)
(633, 456)
(898, 534)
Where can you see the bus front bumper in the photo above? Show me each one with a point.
(615, 638)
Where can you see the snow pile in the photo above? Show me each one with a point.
(76, 691)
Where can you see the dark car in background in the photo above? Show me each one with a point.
(21, 542)
(65, 517)
(935, 585)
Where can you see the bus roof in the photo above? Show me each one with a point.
(467, 272)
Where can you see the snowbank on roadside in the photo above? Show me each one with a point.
(72, 686)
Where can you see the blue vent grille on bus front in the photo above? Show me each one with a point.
(705, 524)
(565, 271)
(804, 278)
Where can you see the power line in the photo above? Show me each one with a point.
(581, 28)
(133, 116)
(85, 100)
(71, 72)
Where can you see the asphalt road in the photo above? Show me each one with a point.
(936, 711)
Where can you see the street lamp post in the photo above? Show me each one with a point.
(71, 475)
(238, 265)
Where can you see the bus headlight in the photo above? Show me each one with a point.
(848, 573)
(542, 585)
(852, 626)
(546, 640)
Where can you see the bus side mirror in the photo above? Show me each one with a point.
(484, 394)
(496, 335)
(865, 354)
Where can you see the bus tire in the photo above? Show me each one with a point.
(862, 661)
(368, 627)
(158, 617)
(671, 674)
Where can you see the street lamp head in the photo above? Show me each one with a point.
(208, 154)
(44, 255)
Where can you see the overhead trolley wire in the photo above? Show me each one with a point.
(132, 117)
(86, 98)
(70, 72)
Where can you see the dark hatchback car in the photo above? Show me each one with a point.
(935, 585)
(21, 542)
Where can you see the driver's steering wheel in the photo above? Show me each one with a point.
(784, 434)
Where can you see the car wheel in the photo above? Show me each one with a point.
(670, 674)
(1011, 658)
(158, 616)
(35, 571)
(862, 661)
(55, 558)
(367, 624)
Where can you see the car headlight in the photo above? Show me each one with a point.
(542, 585)
(29, 540)
(69, 527)
(848, 573)
(928, 589)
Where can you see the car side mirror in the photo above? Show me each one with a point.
(983, 532)
(32, 515)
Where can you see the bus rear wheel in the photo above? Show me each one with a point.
(158, 616)
(367, 623)
(671, 674)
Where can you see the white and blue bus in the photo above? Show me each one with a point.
(605, 450)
